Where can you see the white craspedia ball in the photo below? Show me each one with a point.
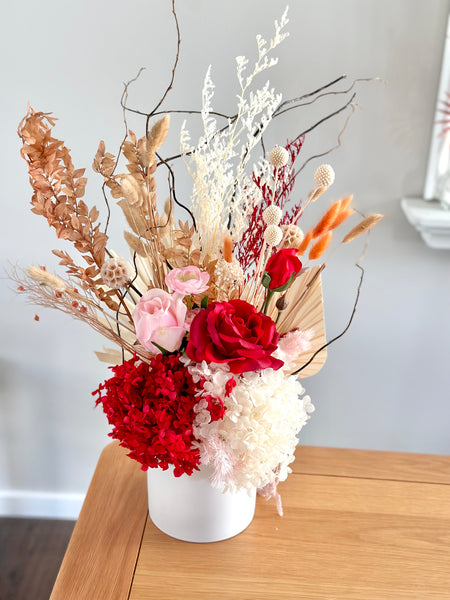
(116, 272)
(324, 176)
(272, 215)
(278, 157)
(273, 235)
(293, 236)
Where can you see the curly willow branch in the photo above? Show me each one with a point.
(174, 68)
(355, 304)
(123, 101)
(172, 189)
(330, 150)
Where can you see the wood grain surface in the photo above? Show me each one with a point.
(358, 525)
(101, 556)
(366, 537)
(372, 464)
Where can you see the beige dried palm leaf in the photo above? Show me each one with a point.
(305, 311)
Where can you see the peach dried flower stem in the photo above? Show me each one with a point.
(362, 227)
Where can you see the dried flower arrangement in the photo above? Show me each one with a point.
(216, 316)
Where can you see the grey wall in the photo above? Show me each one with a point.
(385, 384)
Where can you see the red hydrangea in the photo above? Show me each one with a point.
(151, 408)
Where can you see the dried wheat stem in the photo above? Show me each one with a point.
(362, 227)
(274, 185)
(254, 284)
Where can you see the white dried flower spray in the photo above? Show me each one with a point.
(217, 163)
(258, 434)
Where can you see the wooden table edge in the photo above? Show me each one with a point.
(102, 553)
(111, 535)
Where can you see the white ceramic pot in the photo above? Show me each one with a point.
(189, 508)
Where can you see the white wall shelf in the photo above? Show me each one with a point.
(430, 220)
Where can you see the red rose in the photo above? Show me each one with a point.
(281, 266)
(234, 333)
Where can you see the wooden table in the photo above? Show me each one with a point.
(358, 525)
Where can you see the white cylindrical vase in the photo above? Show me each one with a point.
(188, 508)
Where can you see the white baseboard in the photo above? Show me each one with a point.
(44, 505)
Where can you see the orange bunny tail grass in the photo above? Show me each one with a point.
(345, 202)
(320, 246)
(302, 248)
(228, 248)
(328, 219)
(365, 225)
(342, 216)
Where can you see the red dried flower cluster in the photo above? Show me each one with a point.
(151, 408)
(250, 245)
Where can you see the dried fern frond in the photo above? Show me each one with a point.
(58, 187)
(104, 162)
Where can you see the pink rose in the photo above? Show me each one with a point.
(187, 280)
(159, 317)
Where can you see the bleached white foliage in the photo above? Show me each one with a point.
(255, 442)
(221, 196)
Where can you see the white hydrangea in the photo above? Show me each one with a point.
(258, 434)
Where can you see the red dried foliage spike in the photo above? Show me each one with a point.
(250, 245)
(151, 408)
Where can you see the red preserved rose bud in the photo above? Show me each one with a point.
(235, 333)
(281, 267)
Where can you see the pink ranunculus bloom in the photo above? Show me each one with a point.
(187, 280)
(159, 317)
